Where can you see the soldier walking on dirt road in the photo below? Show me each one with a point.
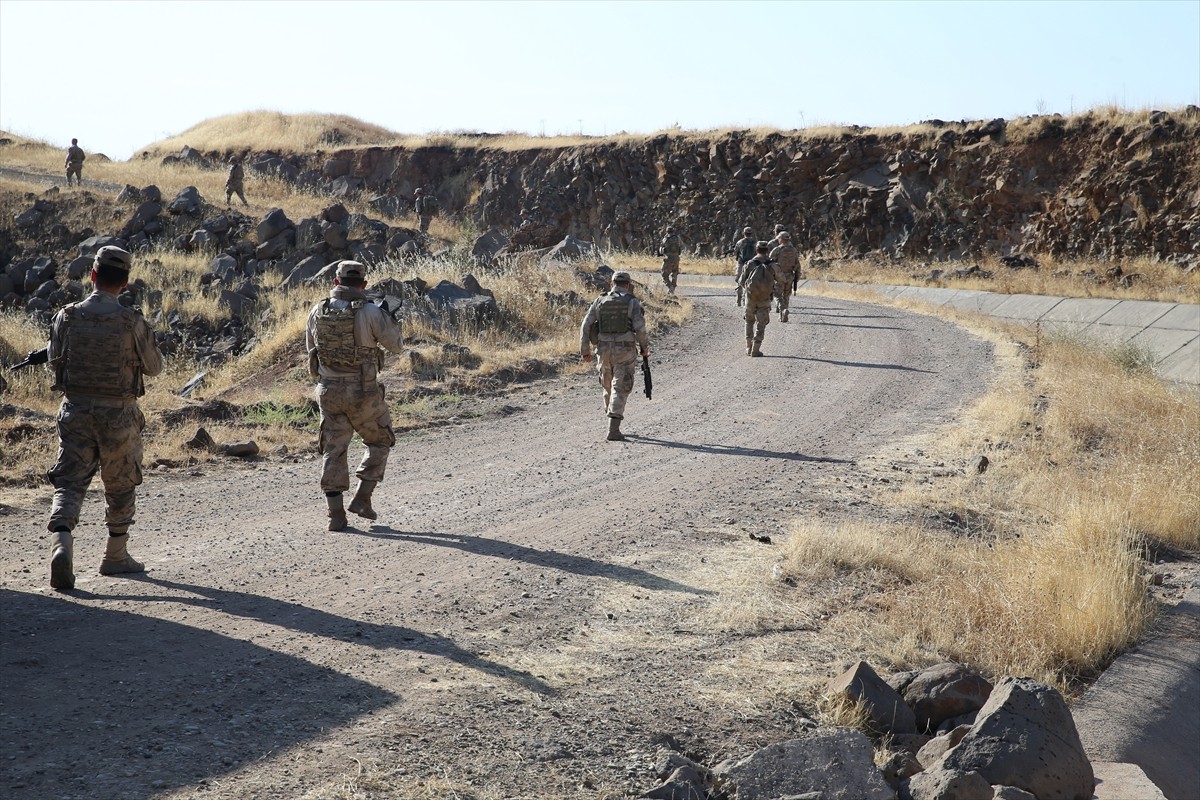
(100, 350)
(615, 326)
(344, 335)
(74, 162)
(756, 284)
(786, 260)
(670, 249)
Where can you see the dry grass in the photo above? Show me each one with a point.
(1091, 464)
(273, 131)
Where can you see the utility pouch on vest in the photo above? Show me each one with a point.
(98, 355)
(615, 315)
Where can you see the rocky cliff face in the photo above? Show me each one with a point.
(1085, 187)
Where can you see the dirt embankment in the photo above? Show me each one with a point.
(535, 612)
(1090, 186)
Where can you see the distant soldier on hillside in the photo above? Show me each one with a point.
(426, 208)
(234, 182)
(670, 249)
(74, 162)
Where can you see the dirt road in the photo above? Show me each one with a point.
(530, 616)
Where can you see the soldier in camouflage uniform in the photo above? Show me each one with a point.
(234, 181)
(743, 249)
(74, 162)
(100, 350)
(786, 259)
(615, 326)
(344, 336)
(756, 283)
(425, 207)
(670, 249)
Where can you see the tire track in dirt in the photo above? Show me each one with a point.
(485, 625)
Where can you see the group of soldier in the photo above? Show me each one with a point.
(101, 351)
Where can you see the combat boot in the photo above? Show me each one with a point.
(614, 430)
(361, 502)
(757, 351)
(749, 347)
(783, 315)
(117, 560)
(62, 576)
(337, 514)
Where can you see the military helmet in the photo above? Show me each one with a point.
(762, 246)
(622, 277)
(779, 227)
(747, 231)
(784, 235)
(112, 256)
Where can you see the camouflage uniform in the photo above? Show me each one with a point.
(424, 208)
(787, 264)
(74, 163)
(670, 249)
(100, 350)
(234, 182)
(616, 353)
(743, 250)
(758, 309)
(775, 240)
(350, 397)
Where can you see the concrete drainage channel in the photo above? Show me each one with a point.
(1140, 722)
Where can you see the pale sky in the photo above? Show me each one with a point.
(121, 75)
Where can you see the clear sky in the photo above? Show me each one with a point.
(121, 75)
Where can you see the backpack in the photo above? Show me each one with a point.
(615, 314)
(759, 283)
(429, 205)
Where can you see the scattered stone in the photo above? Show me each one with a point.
(835, 763)
(980, 464)
(202, 440)
(193, 384)
(943, 691)
(245, 449)
(884, 706)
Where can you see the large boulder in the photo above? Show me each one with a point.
(488, 245)
(89, 246)
(272, 224)
(830, 763)
(456, 304)
(570, 249)
(304, 271)
(1025, 737)
(276, 246)
(187, 202)
(944, 691)
(886, 708)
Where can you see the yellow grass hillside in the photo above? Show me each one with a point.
(272, 130)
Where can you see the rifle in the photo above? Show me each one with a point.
(34, 357)
(795, 280)
(647, 378)
(739, 297)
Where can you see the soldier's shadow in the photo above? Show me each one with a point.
(727, 450)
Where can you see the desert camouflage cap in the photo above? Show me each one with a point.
(113, 256)
(747, 231)
(779, 227)
(764, 246)
(784, 235)
(351, 269)
(622, 277)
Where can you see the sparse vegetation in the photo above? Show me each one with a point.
(1042, 570)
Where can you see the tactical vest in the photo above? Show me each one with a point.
(336, 345)
(759, 283)
(615, 315)
(672, 246)
(787, 257)
(99, 357)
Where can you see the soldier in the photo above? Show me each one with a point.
(786, 260)
(615, 326)
(526, 220)
(425, 206)
(779, 228)
(100, 351)
(74, 162)
(756, 283)
(670, 249)
(233, 183)
(743, 250)
(343, 337)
